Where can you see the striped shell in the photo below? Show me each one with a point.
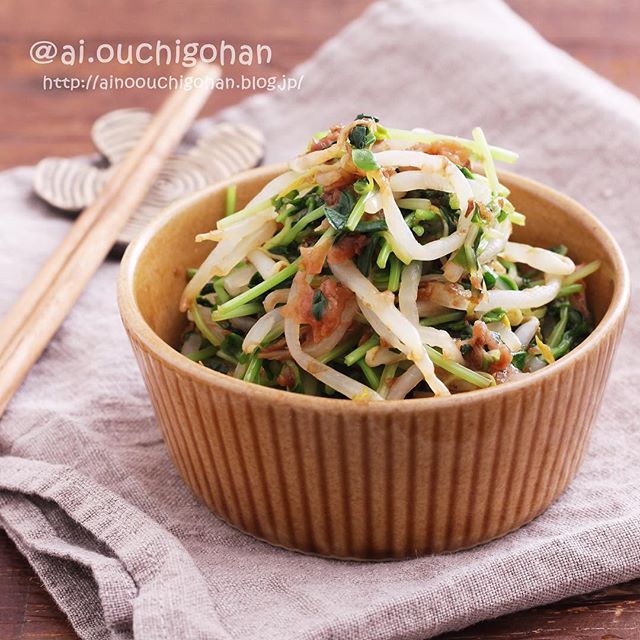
(219, 151)
(69, 184)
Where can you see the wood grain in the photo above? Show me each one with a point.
(603, 34)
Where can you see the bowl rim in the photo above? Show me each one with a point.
(135, 323)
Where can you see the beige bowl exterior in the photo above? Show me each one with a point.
(384, 480)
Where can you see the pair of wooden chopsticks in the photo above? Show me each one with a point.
(40, 310)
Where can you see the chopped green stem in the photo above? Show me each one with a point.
(383, 254)
(388, 373)
(359, 353)
(357, 212)
(569, 290)
(202, 326)
(517, 218)
(223, 355)
(300, 225)
(470, 254)
(558, 331)
(237, 312)
(230, 199)
(394, 274)
(498, 153)
(426, 214)
(414, 203)
(221, 293)
(581, 273)
(507, 283)
(338, 351)
(191, 271)
(401, 255)
(273, 335)
(460, 371)
(370, 375)
(487, 159)
(442, 318)
(243, 214)
(284, 213)
(277, 240)
(252, 374)
(203, 354)
(563, 347)
(259, 289)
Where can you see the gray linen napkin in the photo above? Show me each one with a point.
(87, 490)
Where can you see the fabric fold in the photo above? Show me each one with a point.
(136, 575)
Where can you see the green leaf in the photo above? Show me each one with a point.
(465, 172)
(361, 137)
(361, 186)
(363, 116)
(318, 304)
(338, 214)
(232, 345)
(368, 226)
(489, 278)
(365, 259)
(364, 159)
(507, 283)
(518, 359)
(288, 198)
(495, 315)
(461, 258)
(336, 219)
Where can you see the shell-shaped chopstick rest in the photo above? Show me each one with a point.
(227, 149)
(220, 151)
(115, 133)
(70, 184)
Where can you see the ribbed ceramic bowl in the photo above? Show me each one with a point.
(383, 480)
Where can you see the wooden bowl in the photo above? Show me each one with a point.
(383, 480)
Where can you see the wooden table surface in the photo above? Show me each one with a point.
(601, 33)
